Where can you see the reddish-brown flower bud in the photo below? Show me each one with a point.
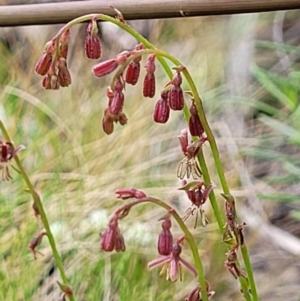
(63, 75)
(54, 84)
(149, 80)
(120, 243)
(195, 125)
(105, 67)
(165, 238)
(112, 239)
(177, 79)
(107, 123)
(64, 44)
(162, 110)
(92, 47)
(176, 100)
(149, 85)
(127, 193)
(45, 61)
(46, 82)
(117, 102)
(122, 118)
(133, 73)
(43, 64)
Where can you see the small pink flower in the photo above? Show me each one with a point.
(172, 264)
(162, 109)
(7, 153)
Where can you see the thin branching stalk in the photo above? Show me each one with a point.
(41, 211)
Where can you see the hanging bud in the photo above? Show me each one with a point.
(105, 67)
(112, 239)
(162, 110)
(165, 238)
(107, 123)
(45, 61)
(43, 64)
(122, 118)
(64, 44)
(149, 80)
(133, 69)
(92, 43)
(133, 73)
(176, 99)
(117, 103)
(63, 75)
(195, 125)
(108, 66)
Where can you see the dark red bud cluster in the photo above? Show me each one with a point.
(53, 65)
(149, 80)
(92, 44)
(111, 238)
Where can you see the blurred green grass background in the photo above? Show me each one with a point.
(249, 81)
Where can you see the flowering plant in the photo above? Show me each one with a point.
(192, 169)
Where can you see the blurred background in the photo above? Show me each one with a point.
(246, 68)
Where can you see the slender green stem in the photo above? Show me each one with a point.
(188, 236)
(41, 211)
